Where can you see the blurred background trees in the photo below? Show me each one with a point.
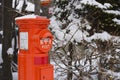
(86, 45)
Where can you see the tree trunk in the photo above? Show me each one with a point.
(44, 11)
(37, 7)
(0, 20)
(69, 73)
(0, 15)
(7, 30)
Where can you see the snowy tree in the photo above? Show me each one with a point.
(84, 46)
(103, 15)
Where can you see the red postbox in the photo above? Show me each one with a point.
(35, 41)
(45, 2)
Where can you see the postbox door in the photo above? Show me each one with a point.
(46, 73)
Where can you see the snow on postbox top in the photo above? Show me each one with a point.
(32, 21)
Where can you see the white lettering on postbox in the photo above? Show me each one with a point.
(45, 43)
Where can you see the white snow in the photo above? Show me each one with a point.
(57, 10)
(1, 53)
(94, 3)
(107, 5)
(59, 34)
(114, 74)
(15, 75)
(75, 32)
(78, 6)
(27, 17)
(54, 24)
(10, 51)
(112, 12)
(30, 7)
(104, 36)
(13, 3)
(116, 39)
(117, 50)
(20, 5)
(117, 21)
(1, 32)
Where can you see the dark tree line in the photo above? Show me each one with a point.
(7, 31)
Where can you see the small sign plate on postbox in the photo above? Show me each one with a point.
(24, 40)
(45, 43)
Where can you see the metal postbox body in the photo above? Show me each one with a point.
(35, 41)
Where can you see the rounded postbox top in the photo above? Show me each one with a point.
(32, 20)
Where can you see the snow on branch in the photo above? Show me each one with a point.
(101, 36)
(112, 12)
(20, 5)
(10, 51)
(117, 21)
(95, 3)
(1, 32)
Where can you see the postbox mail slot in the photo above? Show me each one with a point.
(41, 60)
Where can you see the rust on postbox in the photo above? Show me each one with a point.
(35, 41)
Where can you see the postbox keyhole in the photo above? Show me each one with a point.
(43, 77)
